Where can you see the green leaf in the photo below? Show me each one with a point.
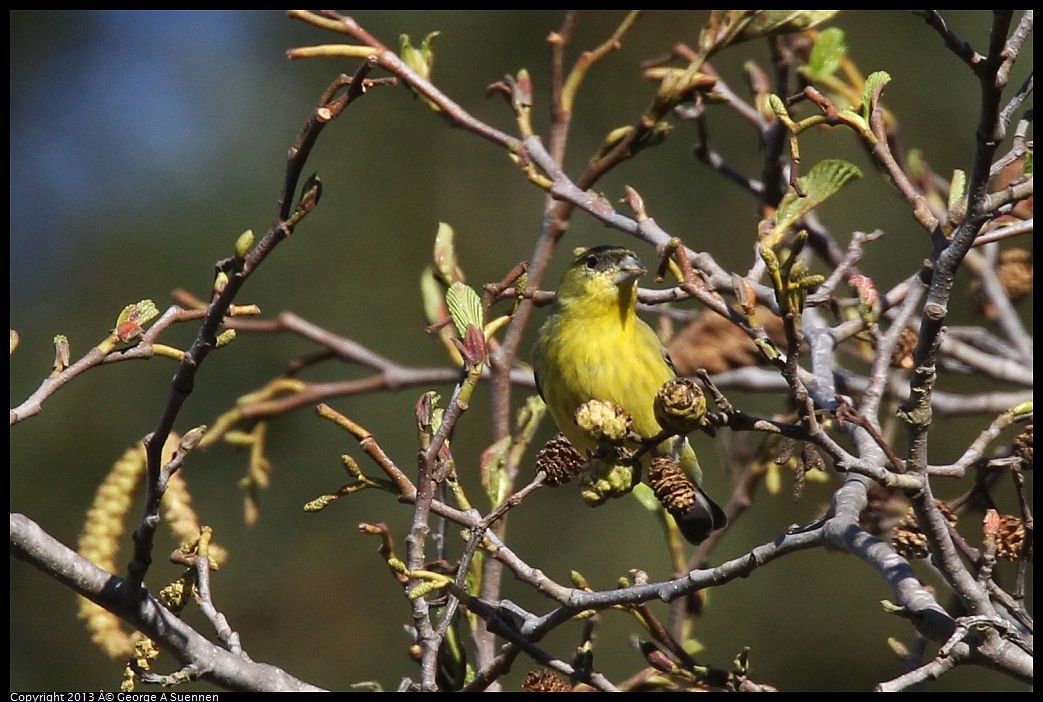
(646, 497)
(825, 179)
(465, 307)
(140, 313)
(827, 54)
(432, 297)
(445, 255)
(957, 191)
(768, 22)
(727, 27)
(873, 81)
(420, 60)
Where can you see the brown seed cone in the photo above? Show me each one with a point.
(542, 681)
(717, 344)
(1014, 272)
(560, 460)
(671, 486)
(1010, 537)
(909, 539)
(680, 406)
(902, 356)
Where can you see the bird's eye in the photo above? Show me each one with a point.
(592, 262)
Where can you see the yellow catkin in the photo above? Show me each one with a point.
(103, 532)
(99, 543)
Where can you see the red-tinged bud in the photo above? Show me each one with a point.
(128, 331)
(866, 290)
(991, 523)
(474, 350)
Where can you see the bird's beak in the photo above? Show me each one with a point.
(629, 269)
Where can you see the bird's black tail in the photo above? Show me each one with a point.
(702, 518)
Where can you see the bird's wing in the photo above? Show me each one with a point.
(669, 361)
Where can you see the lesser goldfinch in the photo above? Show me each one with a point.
(593, 346)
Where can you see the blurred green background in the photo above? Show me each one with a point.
(143, 143)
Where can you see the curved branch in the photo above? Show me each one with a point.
(32, 544)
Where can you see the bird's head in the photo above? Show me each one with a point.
(602, 275)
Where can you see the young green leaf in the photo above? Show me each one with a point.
(465, 307)
(825, 179)
(827, 54)
(445, 255)
(873, 81)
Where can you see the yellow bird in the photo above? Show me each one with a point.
(593, 346)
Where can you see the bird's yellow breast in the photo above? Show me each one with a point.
(596, 348)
